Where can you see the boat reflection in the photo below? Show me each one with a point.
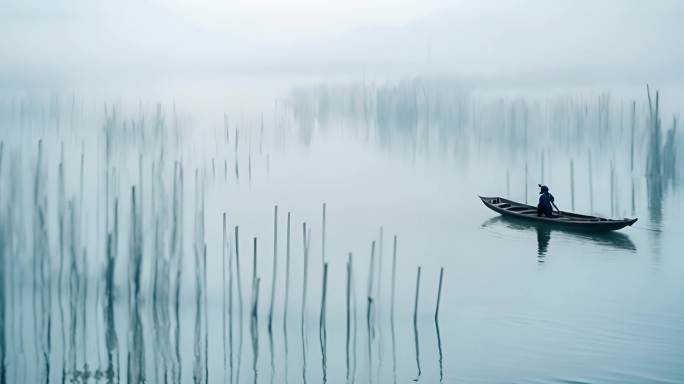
(615, 240)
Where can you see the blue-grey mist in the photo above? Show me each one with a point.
(234, 192)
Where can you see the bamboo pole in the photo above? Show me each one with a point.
(305, 240)
(275, 267)
(508, 182)
(369, 311)
(378, 299)
(591, 184)
(349, 261)
(572, 184)
(206, 309)
(306, 271)
(323, 235)
(394, 277)
(631, 155)
(321, 321)
(287, 274)
(322, 332)
(237, 272)
(223, 293)
(415, 321)
(381, 240)
(631, 140)
(237, 172)
(526, 182)
(369, 296)
(439, 294)
(415, 304)
(612, 189)
(542, 167)
(549, 166)
(254, 275)
(254, 327)
(230, 309)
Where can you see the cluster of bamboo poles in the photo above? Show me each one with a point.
(165, 287)
(233, 302)
(76, 262)
(659, 166)
(412, 114)
(162, 297)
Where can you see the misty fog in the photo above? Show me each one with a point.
(286, 191)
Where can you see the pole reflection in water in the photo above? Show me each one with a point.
(439, 350)
(439, 338)
(306, 238)
(136, 348)
(415, 325)
(348, 317)
(254, 314)
(322, 331)
(3, 342)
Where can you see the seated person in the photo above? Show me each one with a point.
(546, 202)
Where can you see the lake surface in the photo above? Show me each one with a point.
(114, 271)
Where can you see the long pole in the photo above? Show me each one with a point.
(223, 293)
(349, 261)
(322, 333)
(306, 272)
(572, 184)
(439, 294)
(525, 182)
(287, 273)
(254, 277)
(275, 267)
(369, 310)
(394, 276)
(323, 235)
(239, 280)
(591, 185)
(415, 322)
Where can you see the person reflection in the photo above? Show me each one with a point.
(543, 239)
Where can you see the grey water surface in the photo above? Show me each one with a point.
(117, 266)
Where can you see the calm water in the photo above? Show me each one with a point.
(520, 303)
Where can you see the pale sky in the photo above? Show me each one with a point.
(71, 39)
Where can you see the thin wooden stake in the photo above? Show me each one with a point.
(287, 273)
(394, 277)
(306, 271)
(223, 293)
(323, 236)
(255, 287)
(349, 261)
(415, 304)
(439, 294)
(591, 184)
(525, 182)
(415, 322)
(572, 184)
(369, 296)
(275, 267)
(237, 272)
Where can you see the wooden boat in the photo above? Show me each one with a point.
(566, 220)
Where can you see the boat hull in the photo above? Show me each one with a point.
(567, 220)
